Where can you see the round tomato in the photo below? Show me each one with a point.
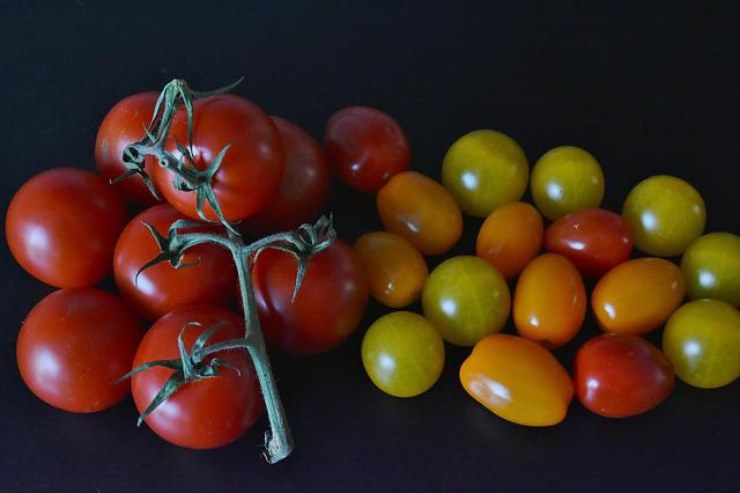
(711, 268)
(62, 226)
(74, 345)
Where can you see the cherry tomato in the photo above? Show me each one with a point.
(510, 237)
(549, 301)
(711, 268)
(304, 186)
(366, 147)
(62, 226)
(124, 125)
(162, 288)
(403, 354)
(396, 271)
(518, 380)
(595, 240)
(328, 308)
(465, 299)
(666, 214)
(637, 296)
(702, 340)
(208, 413)
(73, 346)
(422, 211)
(619, 375)
(566, 179)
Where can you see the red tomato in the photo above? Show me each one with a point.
(595, 240)
(208, 413)
(366, 147)
(62, 226)
(162, 288)
(330, 303)
(73, 346)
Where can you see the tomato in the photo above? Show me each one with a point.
(125, 124)
(328, 308)
(595, 240)
(403, 354)
(396, 271)
(702, 340)
(465, 299)
(62, 226)
(73, 346)
(518, 380)
(422, 211)
(510, 237)
(162, 288)
(637, 296)
(366, 147)
(304, 186)
(251, 170)
(666, 214)
(711, 268)
(208, 413)
(549, 301)
(483, 170)
(566, 179)
(619, 375)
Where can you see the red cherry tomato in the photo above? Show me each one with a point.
(366, 147)
(62, 226)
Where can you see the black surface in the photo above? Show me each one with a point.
(646, 90)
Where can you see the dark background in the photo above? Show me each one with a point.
(646, 90)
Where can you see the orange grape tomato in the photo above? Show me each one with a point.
(549, 301)
(518, 380)
(510, 237)
(418, 208)
(637, 296)
(395, 269)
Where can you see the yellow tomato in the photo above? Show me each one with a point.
(711, 268)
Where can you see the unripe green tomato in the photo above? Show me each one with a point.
(711, 268)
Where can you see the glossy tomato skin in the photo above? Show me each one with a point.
(711, 268)
(418, 208)
(73, 346)
(210, 412)
(62, 226)
(366, 147)
(162, 288)
(328, 308)
(618, 375)
(595, 240)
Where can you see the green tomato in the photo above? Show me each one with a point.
(702, 341)
(711, 268)
(466, 298)
(403, 354)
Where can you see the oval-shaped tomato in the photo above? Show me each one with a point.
(62, 226)
(637, 296)
(518, 380)
(711, 268)
(74, 345)
(208, 413)
(595, 240)
(328, 308)
(418, 208)
(366, 147)
(619, 375)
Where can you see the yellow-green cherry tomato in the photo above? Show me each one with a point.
(711, 268)
(666, 214)
(483, 170)
(566, 179)
(403, 354)
(466, 298)
(702, 341)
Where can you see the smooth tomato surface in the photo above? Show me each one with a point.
(711, 268)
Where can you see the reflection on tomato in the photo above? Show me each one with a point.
(711, 268)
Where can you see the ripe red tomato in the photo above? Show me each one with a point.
(366, 147)
(208, 413)
(330, 303)
(73, 346)
(62, 226)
